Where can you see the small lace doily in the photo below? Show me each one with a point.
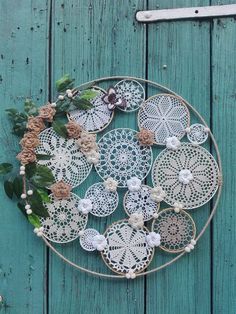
(104, 202)
(67, 162)
(126, 248)
(65, 221)
(165, 115)
(197, 133)
(122, 157)
(140, 202)
(203, 174)
(176, 229)
(132, 91)
(95, 119)
(86, 239)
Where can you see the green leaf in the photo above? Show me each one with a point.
(5, 168)
(8, 187)
(43, 177)
(34, 220)
(30, 107)
(64, 83)
(11, 112)
(44, 195)
(88, 94)
(18, 186)
(43, 157)
(82, 104)
(30, 170)
(21, 206)
(59, 128)
(63, 106)
(37, 205)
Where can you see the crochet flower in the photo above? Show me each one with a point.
(130, 274)
(93, 157)
(61, 190)
(110, 185)
(172, 143)
(26, 156)
(145, 137)
(153, 239)
(157, 194)
(185, 176)
(47, 112)
(87, 142)
(73, 129)
(85, 205)
(134, 184)
(136, 220)
(30, 140)
(35, 124)
(99, 242)
(112, 101)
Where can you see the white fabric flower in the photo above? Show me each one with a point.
(136, 220)
(157, 194)
(134, 184)
(110, 185)
(93, 157)
(130, 274)
(153, 239)
(172, 143)
(85, 205)
(185, 176)
(99, 242)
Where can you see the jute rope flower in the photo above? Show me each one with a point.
(146, 137)
(61, 190)
(74, 130)
(47, 112)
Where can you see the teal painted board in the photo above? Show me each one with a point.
(23, 73)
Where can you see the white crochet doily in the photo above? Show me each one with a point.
(95, 119)
(202, 175)
(197, 133)
(165, 115)
(104, 202)
(132, 91)
(87, 238)
(65, 221)
(176, 229)
(67, 162)
(122, 157)
(140, 202)
(126, 248)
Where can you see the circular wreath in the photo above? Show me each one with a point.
(59, 148)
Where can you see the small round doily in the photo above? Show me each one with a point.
(188, 175)
(132, 91)
(67, 162)
(95, 119)
(197, 133)
(122, 157)
(165, 115)
(87, 238)
(104, 202)
(65, 221)
(140, 202)
(126, 248)
(176, 230)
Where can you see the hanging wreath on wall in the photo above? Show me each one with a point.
(59, 148)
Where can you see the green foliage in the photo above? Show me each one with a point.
(42, 177)
(30, 108)
(21, 207)
(64, 83)
(37, 205)
(18, 186)
(43, 157)
(30, 170)
(59, 128)
(34, 220)
(8, 188)
(5, 168)
(88, 94)
(44, 195)
(82, 104)
(19, 121)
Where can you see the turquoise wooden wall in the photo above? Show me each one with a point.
(40, 41)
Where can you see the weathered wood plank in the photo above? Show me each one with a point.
(23, 72)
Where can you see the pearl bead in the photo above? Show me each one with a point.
(155, 215)
(191, 246)
(29, 211)
(193, 242)
(187, 249)
(36, 230)
(133, 276)
(177, 209)
(53, 105)
(27, 206)
(22, 173)
(30, 192)
(68, 91)
(127, 276)
(22, 168)
(187, 130)
(69, 95)
(23, 196)
(39, 234)
(81, 233)
(206, 129)
(61, 97)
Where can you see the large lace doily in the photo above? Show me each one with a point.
(176, 229)
(122, 157)
(133, 92)
(104, 202)
(165, 115)
(199, 167)
(65, 221)
(95, 119)
(140, 202)
(126, 248)
(67, 162)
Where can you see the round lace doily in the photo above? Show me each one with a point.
(197, 133)
(65, 221)
(140, 202)
(95, 119)
(87, 238)
(200, 181)
(176, 229)
(122, 157)
(133, 92)
(165, 115)
(67, 162)
(104, 202)
(127, 248)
